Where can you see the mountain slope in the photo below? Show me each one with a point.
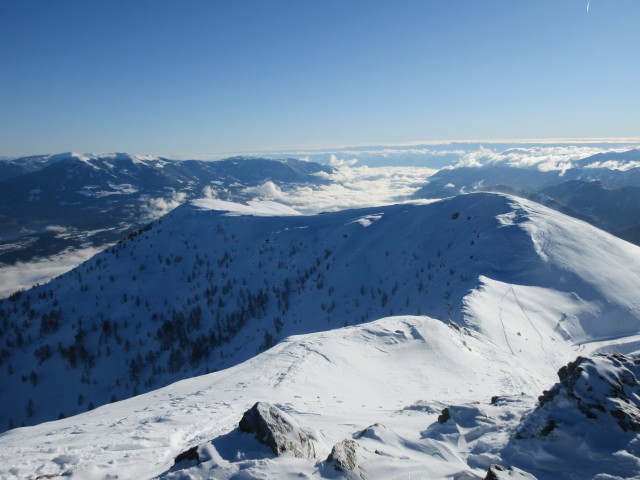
(204, 289)
(397, 373)
(616, 208)
(417, 398)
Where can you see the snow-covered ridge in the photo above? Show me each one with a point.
(410, 394)
(397, 372)
(251, 208)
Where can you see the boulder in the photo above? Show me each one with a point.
(444, 415)
(277, 430)
(344, 455)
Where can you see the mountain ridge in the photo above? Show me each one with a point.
(202, 289)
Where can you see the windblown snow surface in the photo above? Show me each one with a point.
(423, 397)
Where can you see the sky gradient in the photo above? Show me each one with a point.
(210, 77)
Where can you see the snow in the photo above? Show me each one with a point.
(586, 425)
(511, 291)
(263, 208)
(367, 220)
(334, 383)
(123, 189)
(34, 194)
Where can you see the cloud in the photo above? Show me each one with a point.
(363, 186)
(157, 207)
(267, 191)
(56, 229)
(209, 192)
(356, 187)
(337, 162)
(543, 158)
(25, 275)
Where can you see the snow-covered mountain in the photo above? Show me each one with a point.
(204, 289)
(603, 189)
(55, 202)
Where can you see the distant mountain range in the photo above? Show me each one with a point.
(603, 189)
(51, 203)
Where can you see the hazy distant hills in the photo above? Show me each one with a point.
(603, 189)
(50, 203)
(203, 289)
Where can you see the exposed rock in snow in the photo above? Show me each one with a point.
(498, 472)
(588, 420)
(444, 416)
(604, 387)
(191, 454)
(344, 457)
(277, 430)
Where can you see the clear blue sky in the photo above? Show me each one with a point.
(198, 77)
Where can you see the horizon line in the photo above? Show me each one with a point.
(329, 148)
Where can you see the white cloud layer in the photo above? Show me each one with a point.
(25, 275)
(157, 207)
(544, 158)
(352, 187)
(267, 191)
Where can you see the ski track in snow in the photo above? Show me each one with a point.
(504, 329)
(533, 326)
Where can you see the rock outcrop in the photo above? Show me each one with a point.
(277, 430)
(191, 454)
(603, 387)
(586, 425)
(498, 472)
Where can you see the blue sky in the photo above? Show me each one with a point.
(209, 77)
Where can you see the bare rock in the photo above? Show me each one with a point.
(344, 457)
(498, 472)
(277, 430)
(601, 388)
(444, 415)
(191, 454)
